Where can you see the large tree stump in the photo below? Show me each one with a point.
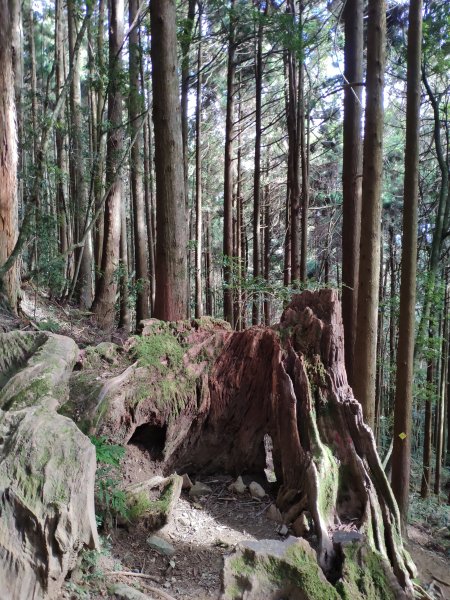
(290, 383)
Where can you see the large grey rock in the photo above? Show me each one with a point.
(34, 365)
(47, 469)
(271, 569)
(160, 545)
(120, 591)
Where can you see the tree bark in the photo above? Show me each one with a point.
(198, 179)
(105, 299)
(257, 169)
(136, 110)
(401, 453)
(228, 173)
(9, 285)
(351, 173)
(78, 186)
(366, 333)
(171, 270)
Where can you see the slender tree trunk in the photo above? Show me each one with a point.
(442, 396)
(366, 333)
(426, 460)
(9, 286)
(171, 269)
(185, 77)
(228, 174)
(105, 299)
(61, 157)
(401, 454)
(267, 233)
(257, 169)
(208, 266)
(124, 316)
(198, 179)
(351, 173)
(137, 115)
(101, 143)
(304, 160)
(78, 183)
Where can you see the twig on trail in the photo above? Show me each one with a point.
(133, 574)
(446, 583)
(258, 514)
(159, 592)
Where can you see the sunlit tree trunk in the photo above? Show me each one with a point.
(198, 179)
(401, 454)
(136, 111)
(228, 174)
(105, 299)
(78, 186)
(366, 333)
(9, 286)
(351, 173)
(171, 271)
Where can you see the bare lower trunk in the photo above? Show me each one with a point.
(9, 286)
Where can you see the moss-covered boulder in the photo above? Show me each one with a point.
(47, 468)
(271, 570)
(34, 365)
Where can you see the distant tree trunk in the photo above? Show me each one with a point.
(257, 169)
(77, 171)
(351, 173)
(304, 160)
(426, 459)
(100, 149)
(198, 179)
(208, 267)
(105, 299)
(267, 234)
(442, 395)
(228, 174)
(61, 156)
(15, 7)
(185, 76)
(171, 273)
(9, 286)
(137, 115)
(124, 316)
(293, 157)
(401, 453)
(366, 333)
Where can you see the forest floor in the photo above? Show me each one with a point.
(202, 532)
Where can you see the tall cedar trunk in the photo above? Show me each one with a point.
(392, 319)
(366, 332)
(136, 111)
(105, 299)
(304, 160)
(401, 453)
(9, 286)
(149, 208)
(257, 169)
(186, 39)
(15, 7)
(100, 149)
(78, 186)
(351, 173)
(171, 275)
(61, 157)
(198, 178)
(228, 174)
(293, 157)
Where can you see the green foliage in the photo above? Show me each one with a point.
(49, 325)
(111, 500)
